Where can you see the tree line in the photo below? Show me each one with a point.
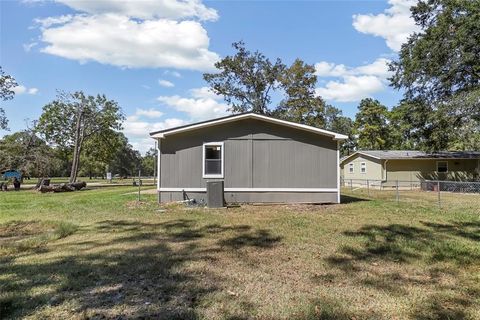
(438, 69)
(76, 135)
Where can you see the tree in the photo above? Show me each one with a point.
(126, 161)
(336, 122)
(75, 119)
(99, 151)
(371, 125)
(7, 83)
(440, 67)
(245, 80)
(26, 152)
(301, 103)
(148, 162)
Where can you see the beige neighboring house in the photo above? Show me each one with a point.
(404, 165)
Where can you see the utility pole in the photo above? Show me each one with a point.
(155, 164)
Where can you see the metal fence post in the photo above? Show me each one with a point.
(368, 188)
(351, 184)
(398, 195)
(439, 197)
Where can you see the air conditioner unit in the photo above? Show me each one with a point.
(215, 198)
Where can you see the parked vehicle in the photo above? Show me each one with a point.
(11, 174)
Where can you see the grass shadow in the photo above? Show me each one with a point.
(378, 256)
(142, 271)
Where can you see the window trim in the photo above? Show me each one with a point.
(222, 165)
(446, 162)
(352, 167)
(363, 165)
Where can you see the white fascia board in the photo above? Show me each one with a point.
(333, 135)
(362, 153)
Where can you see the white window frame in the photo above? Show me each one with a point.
(363, 165)
(222, 165)
(351, 168)
(446, 162)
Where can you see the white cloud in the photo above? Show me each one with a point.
(32, 91)
(202, 104)
(147, 9)
(114, 39)
(377, 68)
(24, 90)
(28, 46)
(327, 69)
(138, 128)
(137, 131)
(175, 74)
(51, 21)
(394, 25)
(149, 113)
(352, 88)
(355, 83)
(166, 83)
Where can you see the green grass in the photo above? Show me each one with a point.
(100, 254)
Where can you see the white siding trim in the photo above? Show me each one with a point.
(159, 156)
(252, 189)
(338, 171)
(222, 163)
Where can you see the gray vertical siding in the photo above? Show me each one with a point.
(257, 155)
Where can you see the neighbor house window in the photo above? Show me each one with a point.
(351, 168)
(363, 167)
(213, 160)
(442, 166)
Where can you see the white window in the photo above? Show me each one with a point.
(213, 160)
(442, 166)
(351, 168)
(363, 167)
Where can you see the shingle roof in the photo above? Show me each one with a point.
(412, 154)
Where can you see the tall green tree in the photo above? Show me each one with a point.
(246, 80)
(335, 121)
(7, 83)
(126, 161)
(148, 162)
(440, 66)
(371, 125)
(74, 119)
(27, 152)
(301, 104)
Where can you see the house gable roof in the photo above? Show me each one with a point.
(412, 154)
(249, 115)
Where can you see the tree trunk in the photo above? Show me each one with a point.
(78, 145)
(64, 187)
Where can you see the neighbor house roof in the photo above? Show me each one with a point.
(412, 154)
(241, 116)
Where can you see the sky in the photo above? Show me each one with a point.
(149, 56)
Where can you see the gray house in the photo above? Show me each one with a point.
(260, 159)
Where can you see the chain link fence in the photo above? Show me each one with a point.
(447, 195)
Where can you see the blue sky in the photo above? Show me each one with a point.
(150, 55)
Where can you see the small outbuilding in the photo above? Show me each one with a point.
(405, 165)
(260, 160)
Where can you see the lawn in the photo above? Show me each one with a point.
(100, 254)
